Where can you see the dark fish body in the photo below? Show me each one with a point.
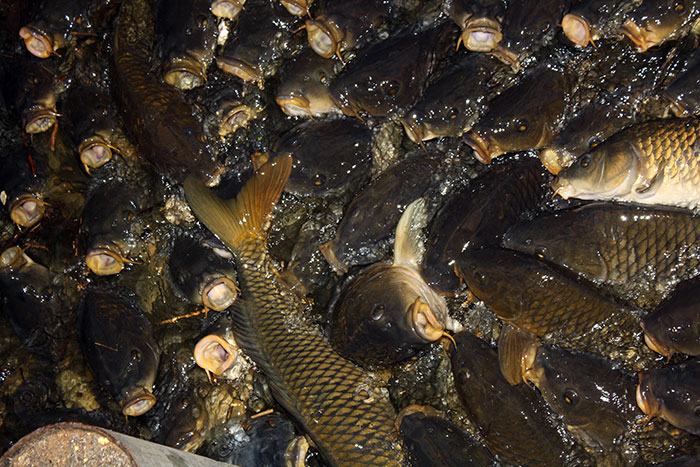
(328, 395)
(329, 156)
(596, 401)
(53, 24)
(683, 93)
(524, 116)
(649, 163)
(480, 22)
(636, 250)
(173, 144)
(202, 275)
(453, 103)
(433, 441)
(675, 325)
(118, 344)
(547, 301)
(112, 225)
(591, 20)
(657, 21)
(371, 217)
(479, 214)
(187, 37)
(23, 182)
(389, 76)
(511, 419)
(33, 89)
(673, 394)
(186, 422)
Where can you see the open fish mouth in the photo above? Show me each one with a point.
(294, 106)
(322, 38)
(655, 345)
(642, 38)
(39, 119)
(27, 210)
(104, 262)
(645, 399)
(95, 152)
(563, 188)
(425, 322)
(243, 70)
(219, 294)
(14, 258)
(139, 403)
(185, 73)
(413, 130)
(227, 8)
(214, 354)
(482, 35)
(481, 147)
(37, 42)
(577, 30)
(234, 117)
(296, 7)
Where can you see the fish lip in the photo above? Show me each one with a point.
(185, 73)
(295, 7)
(645, 398)
(289, 102)
(38, 43)
(550, 160)
(39, 119)
(639, 37)
(13, 258)
(95, 264)
(478, 27)
(26, 210)
(338, 266)
(226, 8)
(654, 344)
(425, 323)
(480, 145)
(413, 130)
(239, 68)
(208, 350)
(576, 29)
(138, 403)
(95, 152)
(314, 27)
(234, 112)
(507, 56)
(220, 286)
(563, 188)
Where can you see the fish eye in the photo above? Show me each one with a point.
(678, 7)
(585, 160)
(453, 113)
(522, 126)
(136, 355)
(378, 311)
(570, 397)
(323, 79)
(541, 252)
(391, 88)
(593, 141)
(318, 180)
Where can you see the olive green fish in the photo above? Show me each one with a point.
(329, 396)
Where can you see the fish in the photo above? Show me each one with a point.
(298, 7)
(511, 419)
(589, 21)
(54, 25)
(648, 163)
(672, 394)
(118, 344)
(389, 76)
(683, 93)
(478, 214)
(371, 217)
(186, 422)
(187, 36)
(23, 185)
(304, 86)
(549, 302)
(387, 313)
(525, 116)
(596, 401)
(227, 8)
(218, 353)
(34, 90)
(325, 393)
(339, 26)
(174, 144)
(480, 22)
(655, 22)
(453, 102)
(202, 275)
(636, 251)
(317, 172)
(432, 440)
(674, 326)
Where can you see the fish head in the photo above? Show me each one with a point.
(38, 42)
(656, 22)
(233, 115)
(324, 36)
(26, 210)
(297, 7)
(672, 393)
(608, 171)
(215, 354)
(105, 261)
(481, 34)
(227, 8)
(672, 329)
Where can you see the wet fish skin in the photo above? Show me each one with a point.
(596, 401)
(675, 325)
(591, 20)
(673, 394)
(635, 250)
(547, 301)
(524, 116)
(328, 395)
(511, 419)
(655, 22)
(174, 144)
(478, 214)
(648, 163)
(52, 26)
(118, 344)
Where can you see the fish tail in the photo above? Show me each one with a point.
(247, 216)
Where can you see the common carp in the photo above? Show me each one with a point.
(655, 22)
(650, 163)
(328, 395)
(591, 20)
(480, 22)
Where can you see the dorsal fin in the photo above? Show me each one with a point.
(408, 246)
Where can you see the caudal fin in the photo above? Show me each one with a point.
(246, 216)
